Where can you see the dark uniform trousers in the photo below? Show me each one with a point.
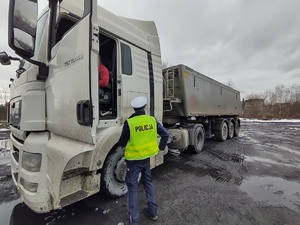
(134, 168)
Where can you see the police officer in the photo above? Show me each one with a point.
(139, 137)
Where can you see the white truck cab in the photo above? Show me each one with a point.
(64, 136)
(65, 129)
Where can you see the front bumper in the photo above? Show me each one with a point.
(39, 200)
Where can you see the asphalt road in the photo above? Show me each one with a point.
(251, 179)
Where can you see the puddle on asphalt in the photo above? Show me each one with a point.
(4, 147)
(4, 152)
(267, 162)
(273, 190)
(6, 209)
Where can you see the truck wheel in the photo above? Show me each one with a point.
(230, 130)
(222, 134)
(236, 128)
(114, 173)
(198, 138)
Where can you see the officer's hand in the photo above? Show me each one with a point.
(165, 150)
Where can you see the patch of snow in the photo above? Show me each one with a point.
(174, 152)
(4, 129)
(267, 162)
(106, 211)
(271, 121)
(283, 148)
(4, 152)
(4, 161)
(294, 128)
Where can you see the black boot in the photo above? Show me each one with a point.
(148, 214)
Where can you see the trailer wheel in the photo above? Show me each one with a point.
(230, 130)
(236, 128)
(198, 138)
(114, 173)
(222, 134)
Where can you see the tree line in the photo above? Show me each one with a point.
(281, 102)
(280, 94)
(4, 98)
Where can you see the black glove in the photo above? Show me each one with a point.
(161, 148)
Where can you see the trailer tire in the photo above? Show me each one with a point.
(236, 128)
(198, 138)
(231, 130)
(114, 173)
(222, 133)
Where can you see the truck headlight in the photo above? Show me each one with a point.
(32, 187)
(31, 161)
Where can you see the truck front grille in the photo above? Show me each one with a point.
(15, 153)
(16, 175)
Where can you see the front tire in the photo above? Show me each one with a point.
(198, 139)
(114, 173)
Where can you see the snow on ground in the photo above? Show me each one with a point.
(4, 152)
(294, 128)
(4, 129)
(271, 121)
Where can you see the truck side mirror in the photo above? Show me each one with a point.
(4, 59)
(22, 26)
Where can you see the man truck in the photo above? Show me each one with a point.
(64, 135)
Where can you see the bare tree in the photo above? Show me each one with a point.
(254, 96)
(165, 64)
(230, 83)
(4, 95)
(268, 97)
(4, 98)
(294, 93)
(275, 101)
(279, 91)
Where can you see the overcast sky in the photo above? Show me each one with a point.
(256, 43)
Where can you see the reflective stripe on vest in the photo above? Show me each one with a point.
(143, 142)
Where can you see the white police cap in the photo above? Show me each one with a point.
(139, 102)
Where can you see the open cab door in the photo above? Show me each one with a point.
(72, 84)
(71, 65)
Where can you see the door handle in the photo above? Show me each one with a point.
(84, 113)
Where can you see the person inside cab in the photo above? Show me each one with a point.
(103, 78)
(104, 90)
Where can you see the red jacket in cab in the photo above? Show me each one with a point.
(103, 76)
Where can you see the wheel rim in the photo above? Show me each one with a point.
(121, 170)
(224, 131)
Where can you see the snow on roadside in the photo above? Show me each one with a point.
(294, 128)
(4, 129)
(271, 121)
(4, 152)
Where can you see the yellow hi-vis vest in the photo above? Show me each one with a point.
(142, 143)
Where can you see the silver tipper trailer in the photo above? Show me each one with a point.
(199, 106)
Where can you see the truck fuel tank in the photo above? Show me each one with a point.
(179, 138)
